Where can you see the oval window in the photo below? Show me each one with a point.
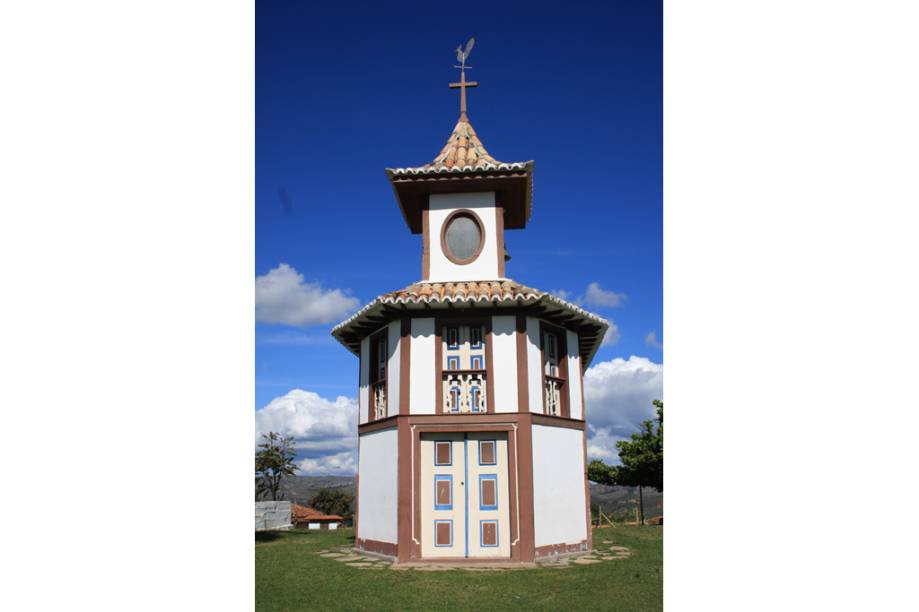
(462, 238)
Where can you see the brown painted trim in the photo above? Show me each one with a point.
(404, 497)
(405, 364)
(523, 550)
(425, 245)
(381, 548)
(527, 544)
(466, 418)
(462, 212)
(438, 366)
(562, 549)
(360, 366)
(414, 510)
(513, 486)
(466, 427)
(489, 369)
(523, 388)
(389, 422)
(556, 421)
(499, 230)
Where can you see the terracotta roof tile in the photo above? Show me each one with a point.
(305, 513)
(496, 293)
(462, 291)
(463, 150)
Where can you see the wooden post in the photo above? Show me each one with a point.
(641, 507)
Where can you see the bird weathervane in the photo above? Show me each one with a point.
(461, 56)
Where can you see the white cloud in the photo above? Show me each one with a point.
(324, 431)
(282, 296)
(651, 340)
(595, 296)
(612, 334)
(339, 464)
(561, 293)
(618, 395)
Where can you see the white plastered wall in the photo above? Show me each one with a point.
(364, 384)
(378, 486)
(485, 266)
(422, 399)
(534, 365)
(559, 507)
(393, 363)
(575, 403)
(504, 356)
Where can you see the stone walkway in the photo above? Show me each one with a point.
(603, 551)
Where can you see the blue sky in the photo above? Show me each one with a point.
(344, 90)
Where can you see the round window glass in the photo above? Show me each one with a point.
(463, 237)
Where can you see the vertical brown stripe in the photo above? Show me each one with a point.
(438, 368)
(523, 394)
(512, 483)
(499, 225)
(489, 370)
(405, 356)
(404, 533)
(542, 370)
(414, 549)
(525, 458)
(425, 245)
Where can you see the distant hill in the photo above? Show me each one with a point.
(299, 489)
(614, 501)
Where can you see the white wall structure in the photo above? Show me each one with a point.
(575, 402)
(363, 395)
(485, 266)
(559, 505)
(504, 358)
(422, 398)
(272, 515)
(378, 486)
(393, 363)
(534, 365)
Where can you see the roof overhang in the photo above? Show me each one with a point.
(512, 184)
(532, 302)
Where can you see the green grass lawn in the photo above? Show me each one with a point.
(289, 575)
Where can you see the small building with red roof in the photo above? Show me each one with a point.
(310, 518)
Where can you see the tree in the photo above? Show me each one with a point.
(333, 501)
(642, 460)
(274, 460)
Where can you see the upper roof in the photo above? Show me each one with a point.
(305, 513)
(464, 165)
(472, 295)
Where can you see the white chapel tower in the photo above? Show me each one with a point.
(471, 430)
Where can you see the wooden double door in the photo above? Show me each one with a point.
(465, 505)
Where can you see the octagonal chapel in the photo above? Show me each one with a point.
(471, 429)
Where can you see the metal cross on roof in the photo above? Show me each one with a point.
(461, 56)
